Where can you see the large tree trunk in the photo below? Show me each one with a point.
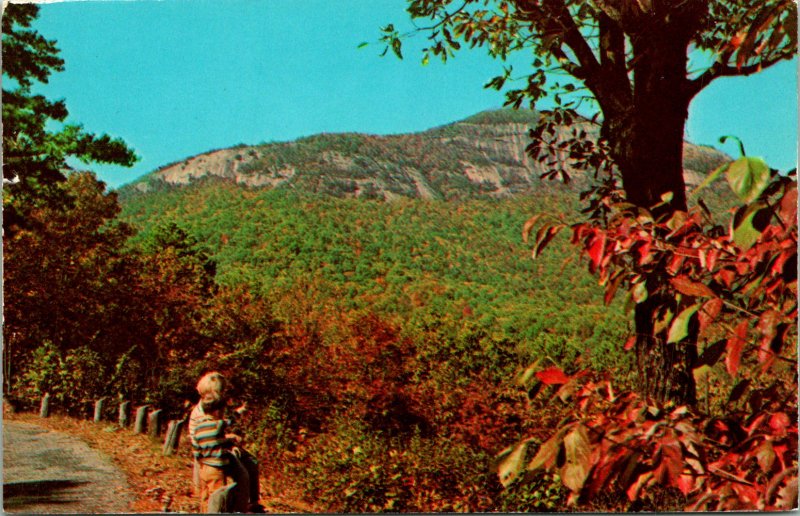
(647, 142)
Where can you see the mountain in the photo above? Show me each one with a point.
(480, 156)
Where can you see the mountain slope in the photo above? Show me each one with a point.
(481, 156)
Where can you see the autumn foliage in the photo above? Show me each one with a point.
(735, 288)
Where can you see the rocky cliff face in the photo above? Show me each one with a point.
(483, 155)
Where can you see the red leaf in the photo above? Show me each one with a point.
(765, 455)
(735, 345)
(611, 289)
(675, 264)
(727, 276)
(788, 210)
(552, 376)
(777, 266)
(644, 252)
(779, 422)
(767, 326)
(597, 250)
(636, 487)
(526, 229)
(711, 259)
(709, 312)
(672, 462)
(544, 236)
(685, 285)
(630, 342)
(686, 484)
(768, 323)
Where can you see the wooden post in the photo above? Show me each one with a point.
(173, 437)
(124, 420)
(221, 500)
(154, 423)
(44, 410)
(139, 424)
(98, 410)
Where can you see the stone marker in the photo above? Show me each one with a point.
(98, 410)
(44, 410)
(124, 407)
(173, 437)
(141, 413)
(221, 500)
(154, 423)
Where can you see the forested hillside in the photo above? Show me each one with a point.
(413, 262)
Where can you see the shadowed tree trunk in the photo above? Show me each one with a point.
(644, 124)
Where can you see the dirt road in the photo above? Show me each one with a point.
(51, 472)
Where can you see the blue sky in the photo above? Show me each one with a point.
(176, 78)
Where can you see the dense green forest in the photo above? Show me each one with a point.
(409, 261)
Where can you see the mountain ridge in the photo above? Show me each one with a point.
(480, 156)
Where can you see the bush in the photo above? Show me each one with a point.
(352, 468)
(74, 379)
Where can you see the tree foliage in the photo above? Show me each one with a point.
(735, 288)
(34, 154)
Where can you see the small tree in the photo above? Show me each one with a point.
(631, 61)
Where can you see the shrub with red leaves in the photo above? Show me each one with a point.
(736, 286)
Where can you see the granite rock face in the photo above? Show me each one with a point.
(481, 156)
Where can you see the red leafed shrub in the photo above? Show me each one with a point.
(735, 287)
(619, 441)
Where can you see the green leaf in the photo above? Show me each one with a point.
(748, 177)
(396, 47)
(679, 329)
(547, 454)
(710, 178)
(746, 225)
(511, 460)
(639, 292)
(525, 377)
(579, 460)
(363, 44)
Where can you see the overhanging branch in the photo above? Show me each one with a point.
(722, 69)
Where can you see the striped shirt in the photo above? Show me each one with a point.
(210, 445)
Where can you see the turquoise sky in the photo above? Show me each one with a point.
(177, 78)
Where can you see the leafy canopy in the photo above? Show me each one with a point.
(34, 155)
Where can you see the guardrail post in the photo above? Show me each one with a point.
(44, 410)
(124, 408)
(173, 437)
(154, 423)
(98, 410)
(221, 500)
(140, 422)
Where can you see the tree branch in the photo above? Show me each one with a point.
(722, 69)
(612, 55)
(552, 18)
